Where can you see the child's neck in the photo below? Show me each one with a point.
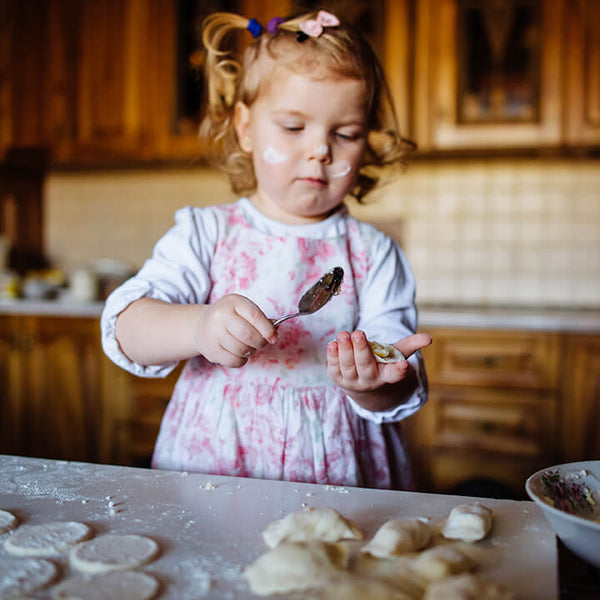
(272, 211)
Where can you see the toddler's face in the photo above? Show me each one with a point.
(307, 137)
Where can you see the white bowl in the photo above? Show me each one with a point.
(580, 534)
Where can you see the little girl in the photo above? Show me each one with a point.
(298, 124)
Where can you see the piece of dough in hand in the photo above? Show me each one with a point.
(385, 353)
(468, 522)
(8, 521)
(321, 524)
(467, 587)
(295, 567)
(399, 536)
(113, 552)
(48, 539)
(442, 561)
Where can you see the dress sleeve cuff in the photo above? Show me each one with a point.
(114, 306)
(401, 411)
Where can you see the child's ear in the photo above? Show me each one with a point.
(241, 122)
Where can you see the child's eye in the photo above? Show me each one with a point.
(292, 128)
(347, 136)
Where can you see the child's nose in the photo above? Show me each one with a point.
(320, 152)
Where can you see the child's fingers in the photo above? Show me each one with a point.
(366, 367)
(409, 345)
(346, 356)
(394, 372)
(251, 313)
(333, 363)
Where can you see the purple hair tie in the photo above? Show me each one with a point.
(273, 24)
(254, 27)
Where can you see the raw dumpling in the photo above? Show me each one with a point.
(399, 537)
(295, 567)
(442, 561)
(468, 522)
(8, 521)
(116, 585)
(112, 552)
(48, 539)
(322, 524)
(25, 575)
(361, 588)
(467, 587)
(385, 353)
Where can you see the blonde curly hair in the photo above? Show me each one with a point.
(339, 50)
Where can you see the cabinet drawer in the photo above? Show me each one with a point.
(522, 424)
(494, 358)
(449, 469)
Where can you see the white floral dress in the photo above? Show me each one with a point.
(280, 416)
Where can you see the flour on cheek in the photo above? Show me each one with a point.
(339, 169)
(273, 156)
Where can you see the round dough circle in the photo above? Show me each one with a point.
(119, 585)
(48, 539)
(113, 552)
(25, 575)
(8, 521)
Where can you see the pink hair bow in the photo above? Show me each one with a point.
(314, 27)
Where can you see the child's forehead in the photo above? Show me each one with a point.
(286, 79)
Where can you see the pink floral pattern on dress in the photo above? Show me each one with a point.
(280, 416)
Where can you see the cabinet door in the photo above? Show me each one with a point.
(99, 100)
(485, 79)
(581, 399)
(582, 108)
(12, 397)
(64, 388)
(23, 40)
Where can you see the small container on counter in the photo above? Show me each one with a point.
(83, 285)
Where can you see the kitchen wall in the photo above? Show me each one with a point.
(516, 232)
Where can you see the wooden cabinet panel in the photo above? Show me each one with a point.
(145, 402)
(438, 125)
(498, 421)
(12, 394)
(495, 358)
(493, 408)
(54, 386)
(580, 410)
(455, 470)
(65, 398)
(582, 106)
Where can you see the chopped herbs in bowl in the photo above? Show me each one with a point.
(569, 492)
(569, 497)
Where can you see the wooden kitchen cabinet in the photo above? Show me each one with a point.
(103, 83)
(12, 381)
(459, 107)
(55, 388)
(582, 52)
(493, 409)
(580, 408)
(140, 415)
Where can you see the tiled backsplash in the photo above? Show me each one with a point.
(518, 232)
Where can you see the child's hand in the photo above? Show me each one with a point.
(352, 366)
(231, 329)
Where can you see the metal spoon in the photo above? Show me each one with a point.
(318, 295)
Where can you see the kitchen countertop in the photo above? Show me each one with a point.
(209, 527)
(51, 308)
(576, 320)
(510, 317)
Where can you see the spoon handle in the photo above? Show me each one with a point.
(277, 322)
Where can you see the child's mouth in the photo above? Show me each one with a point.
(315, 181)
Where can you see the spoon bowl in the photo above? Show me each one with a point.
(318, 295)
